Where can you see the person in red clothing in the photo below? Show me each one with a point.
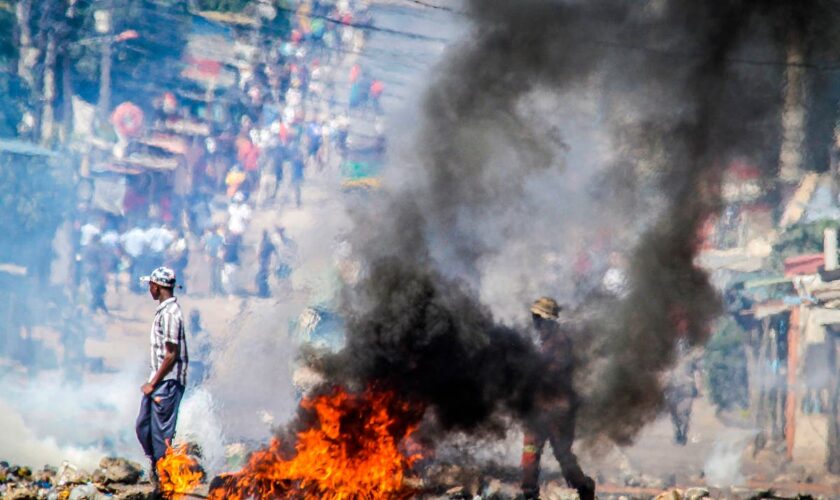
(376, 89)
(554, 418)
(355, 73)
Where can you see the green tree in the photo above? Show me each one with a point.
(151, 63)
(222, 5)
(142, 66)
(14, 101)
(14, 94)
(726, 367)
(35, 195)
(802, 238)
(8, 49)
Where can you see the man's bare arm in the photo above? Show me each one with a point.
(165, 367)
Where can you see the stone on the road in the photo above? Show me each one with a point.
(555, 491)
(84, 492)
(696, 493)
(120, 470)
(135, 493)
(498, 490)
(21, 493)
(672, 494)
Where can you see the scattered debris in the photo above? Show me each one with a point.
(115, 479)
(696, 493)
(120, 470)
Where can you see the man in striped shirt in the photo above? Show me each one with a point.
(169, 360)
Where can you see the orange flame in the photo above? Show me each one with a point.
(179, 473)
(353, 451)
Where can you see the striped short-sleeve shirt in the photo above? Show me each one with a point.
(168, 326)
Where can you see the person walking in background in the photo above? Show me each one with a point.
(133, 243)
(230, 263)
(178, 255)
(93, 261)
(264, 253)
(201, 350)
(553, 419)
(297, 178)
(235, 180)
(239, 214)
(214, 242)
(163, 391)
(376, 90)
(681, 389)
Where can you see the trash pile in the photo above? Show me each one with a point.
(116, 478)
(465, 482)
(121, 479)
(696, 493)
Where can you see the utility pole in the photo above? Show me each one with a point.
(792, 155)
(28, 53)
(67, 83)
(832, 462)
(67, 101)
(104, 26)
(49, 89)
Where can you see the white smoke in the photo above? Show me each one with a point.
(20, 444)
(253, 361)
(723, 467)
(198, 423)
(46, 420)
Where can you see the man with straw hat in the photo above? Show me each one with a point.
(553, 419)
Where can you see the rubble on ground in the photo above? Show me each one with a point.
(121, 479)
(454, 482)
(114, 479)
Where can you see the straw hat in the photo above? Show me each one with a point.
(546, 307)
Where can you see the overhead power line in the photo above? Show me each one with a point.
(437, 7)
(369, 27)
(827, 66)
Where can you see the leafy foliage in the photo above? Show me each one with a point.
(800, 239)
(13, 93)
(34, 198)
(141, 67)
(726, 367)
(8, 50)
(152, 63)
(223, 5)
(14, 100)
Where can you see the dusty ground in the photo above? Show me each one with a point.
(715, 454)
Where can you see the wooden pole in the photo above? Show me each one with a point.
(49, 90)
(104, 25)
(832, 464)
(792, 367)
(791, 157)
(67, 84)
(67, 101)
(830, 248)
(23, 11)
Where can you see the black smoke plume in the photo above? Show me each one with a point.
(685, 87)
(428, 338)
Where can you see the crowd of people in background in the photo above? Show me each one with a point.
(287, 118)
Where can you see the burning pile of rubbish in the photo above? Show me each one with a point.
(358, 446)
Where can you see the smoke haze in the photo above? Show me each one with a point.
(554, 129)
(502, 191)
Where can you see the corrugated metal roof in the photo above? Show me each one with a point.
(15, 146)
